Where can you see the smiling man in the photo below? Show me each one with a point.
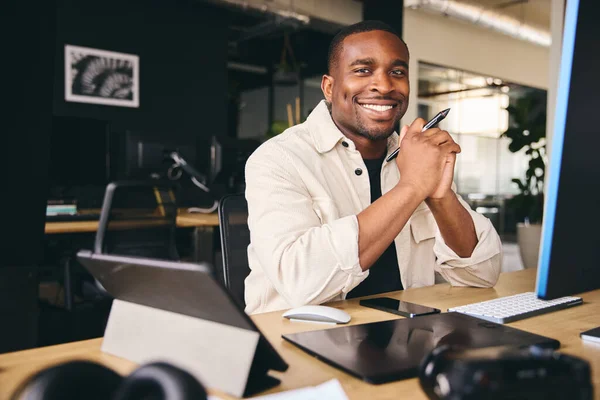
(330, 219)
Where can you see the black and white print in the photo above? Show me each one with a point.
(101, 77)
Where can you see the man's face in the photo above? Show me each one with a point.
(368, 87)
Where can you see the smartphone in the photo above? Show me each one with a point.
(404, 308)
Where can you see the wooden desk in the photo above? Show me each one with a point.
(305, 370)
(202, 236)
(185, 219)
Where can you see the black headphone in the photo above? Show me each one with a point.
(91, 381)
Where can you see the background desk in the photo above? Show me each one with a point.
(185, 219)
(304, 370)
(202, 240)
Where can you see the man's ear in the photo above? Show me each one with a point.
(327, 87)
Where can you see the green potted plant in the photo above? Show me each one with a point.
(527, 130)
(276, 128)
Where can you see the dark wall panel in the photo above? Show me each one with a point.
(183, 54)
(26, 35)
(388, 11)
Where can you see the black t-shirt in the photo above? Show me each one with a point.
(384, 275)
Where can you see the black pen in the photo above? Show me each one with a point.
(432, 122)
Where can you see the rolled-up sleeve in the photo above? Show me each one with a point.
(482, 268)
(307, 261)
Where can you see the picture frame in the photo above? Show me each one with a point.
(98, 76)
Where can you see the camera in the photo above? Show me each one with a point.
(504, 373)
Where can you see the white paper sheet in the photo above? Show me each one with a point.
(330, 390)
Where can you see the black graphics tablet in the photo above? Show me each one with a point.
(386, 351)
(179, 287)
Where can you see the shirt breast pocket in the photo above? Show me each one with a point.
(423, 226)
(325, 209)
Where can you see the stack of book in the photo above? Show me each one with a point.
(61, 207)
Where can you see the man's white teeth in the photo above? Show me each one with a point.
(377, 107)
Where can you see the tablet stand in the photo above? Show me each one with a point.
(231, 359)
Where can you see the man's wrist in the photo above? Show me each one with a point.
(440, 203)
(412, 190)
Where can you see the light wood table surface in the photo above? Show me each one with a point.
(304, 370)
(185, 219)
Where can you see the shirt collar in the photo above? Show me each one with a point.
(325, 134)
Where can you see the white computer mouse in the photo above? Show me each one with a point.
(317, 314)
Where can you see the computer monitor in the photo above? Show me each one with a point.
(569, 260)
(178, 157)
(228, 170)
(147, 154)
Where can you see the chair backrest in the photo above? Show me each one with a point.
(235, 238)
(139, 218)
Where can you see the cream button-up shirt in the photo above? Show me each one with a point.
(304, 191)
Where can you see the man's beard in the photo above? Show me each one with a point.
(374, 135)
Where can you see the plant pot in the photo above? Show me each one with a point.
(528, 237)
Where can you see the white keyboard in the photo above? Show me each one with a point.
(514, 308)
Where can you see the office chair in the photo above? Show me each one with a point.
(139, 218)
(235, 238)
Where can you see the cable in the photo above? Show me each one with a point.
(200, 184)
(200, 209)
(204, 210)
(192, 172)
(195, 177)
(174, 172)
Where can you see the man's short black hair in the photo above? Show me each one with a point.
(364, 26)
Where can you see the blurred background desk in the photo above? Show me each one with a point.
(202, 237)
(185, 219)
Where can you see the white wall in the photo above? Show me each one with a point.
(448, 42)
